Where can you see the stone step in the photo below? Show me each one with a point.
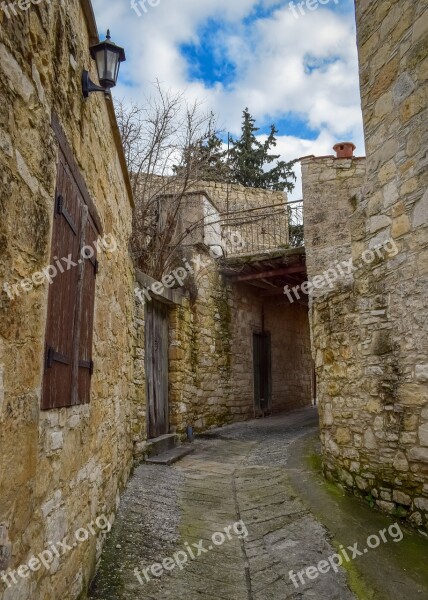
(171, 456)
(161, 444)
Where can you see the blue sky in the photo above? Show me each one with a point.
(294, 67)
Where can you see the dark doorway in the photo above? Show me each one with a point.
(262, 373)
(156, 346)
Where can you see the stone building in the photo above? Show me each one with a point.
(232, 346)
(81, 353)
(66, 348)
(369, 322)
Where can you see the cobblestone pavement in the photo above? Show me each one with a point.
(237, 474)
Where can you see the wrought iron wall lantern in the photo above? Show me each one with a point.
(107, 56)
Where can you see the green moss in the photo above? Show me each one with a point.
(218, 420)
(400, 512)
(417, 54)
(222, 307)
(356, 582)
(314, 462)
(370, 501)
(353, 200)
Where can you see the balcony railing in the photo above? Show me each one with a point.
(264, 230)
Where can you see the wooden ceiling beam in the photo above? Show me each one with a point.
(270, 274)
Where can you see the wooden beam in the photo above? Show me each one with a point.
(278, 292)
(269, 274)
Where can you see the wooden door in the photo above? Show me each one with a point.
(156, 347)
(262, 371)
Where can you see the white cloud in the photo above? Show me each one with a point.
(307, 67)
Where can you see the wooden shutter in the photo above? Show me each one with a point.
(85, 365)
(62, 300)
(68, 348)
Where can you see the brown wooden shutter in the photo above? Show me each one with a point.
(68, 352)
(62, 300)
(85, 363)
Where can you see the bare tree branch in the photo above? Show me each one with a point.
(156, 136)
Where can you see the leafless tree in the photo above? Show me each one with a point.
(157, 136)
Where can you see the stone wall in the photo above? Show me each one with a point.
(331, 190)
(211, 333)
(200, 355)
(59, 469)
(211, 376)
(211, 356)
(370, 331)
(292, 364)
(235, 197)
(262, 229)
(247, 319)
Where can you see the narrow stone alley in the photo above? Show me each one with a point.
(249, 506)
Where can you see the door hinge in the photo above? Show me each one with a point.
(87, 364)
(61, 210)
(52, 356)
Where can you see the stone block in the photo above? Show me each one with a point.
(388, 507)
(419, 454)
(423, 435)
(403, 87)
(369, 440)
(343, 436)
(420, 212)
(413, 394)
(400, 226)
(422, 504)
(379, 222)
(401, 498)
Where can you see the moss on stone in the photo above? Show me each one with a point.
(356, 581)
(224, 334)
(224, 418)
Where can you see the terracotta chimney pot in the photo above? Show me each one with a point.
(344, 149)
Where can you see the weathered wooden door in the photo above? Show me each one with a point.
(262, 371)
(156, 334)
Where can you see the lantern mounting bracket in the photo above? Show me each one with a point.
(88, 86)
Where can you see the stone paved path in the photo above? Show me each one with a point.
(237, 474)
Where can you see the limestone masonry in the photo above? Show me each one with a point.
(227, 344)
(369, 330)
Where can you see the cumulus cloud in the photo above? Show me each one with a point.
(297, 71)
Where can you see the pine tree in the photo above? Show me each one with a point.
(251, 158)
(207, 158)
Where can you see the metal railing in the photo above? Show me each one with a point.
(266, 229)
(295, 224)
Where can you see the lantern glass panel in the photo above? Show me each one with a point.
(112, 61)
(100, 60)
